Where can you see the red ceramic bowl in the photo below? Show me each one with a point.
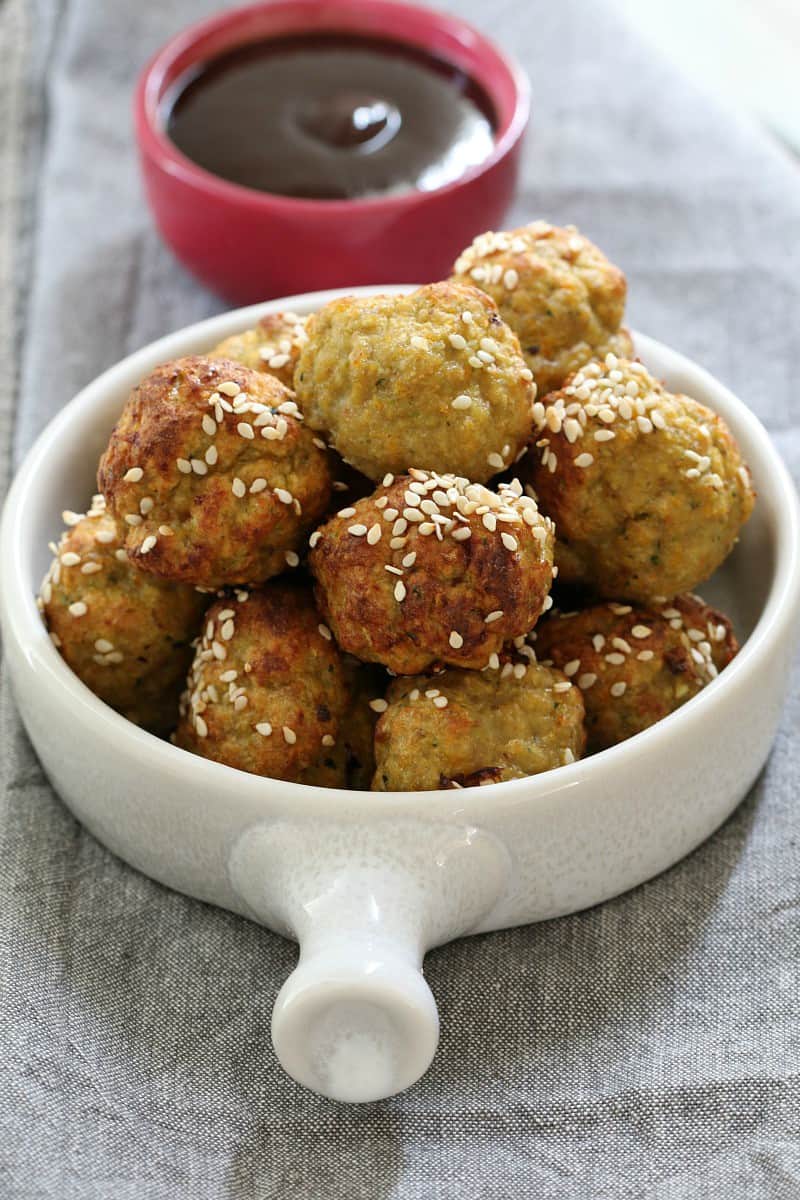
(249, 245)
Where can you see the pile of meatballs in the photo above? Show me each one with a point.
(425, 541)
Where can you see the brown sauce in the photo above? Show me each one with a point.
(331, 117)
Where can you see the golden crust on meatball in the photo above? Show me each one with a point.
(273, 346)
(636, 665)
(466, 728)
(213, 475)
(431, 379)
(561, 296)
(267, 692)
(125, 634)
(647, 489)
(432, 570)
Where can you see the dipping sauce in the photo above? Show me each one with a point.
(331, 117)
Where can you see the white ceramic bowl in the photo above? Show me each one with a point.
(367, 882)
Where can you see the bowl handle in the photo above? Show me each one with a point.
(356, 1020)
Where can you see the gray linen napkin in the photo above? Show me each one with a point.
(650, 1047)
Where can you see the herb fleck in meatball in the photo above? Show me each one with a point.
(636, 665)
(127, 635)
(562, 297)
(273, 346)
(647, 489)
(431, 570)
(213, 475)
(468, 728)
(267, 691)
(431, 379)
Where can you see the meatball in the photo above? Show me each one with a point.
(431, 570)
(562, 297)
(467, 728)
(127, 635)
(267, 691)
(213, 475)
(636, 665)
(647, 489)
(430, 379)
(273, 346)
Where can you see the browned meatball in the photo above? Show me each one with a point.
(468, 728)
(127, 635)
(647, 489)
(636, 665)
(213, 475)
(273, 346)
(267, 691)
(562, 297)
(430, 379)
(431, 570)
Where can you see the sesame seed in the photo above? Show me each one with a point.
(133, 475)
(467, 317)
(572, 666)
(209, 424)
(620, 610)
(145, 505)
(493, 616)
(227, 630)
(641, 631)
(373, 534)
(388, 480)
(314, 539)
(104, 536)
(658, 419)
(72, 518)
(229, 388)
(292, 559)
(462, 534)
(462, 402)
(618, 689)
(485, 357)
(264, 728)
(604, 435)
(457, 341)
(238, 488)
(357, 530)
(325, 632)
(148, 543)
(378, 706)
(244, 430)
(432, 693)
(456, 640)
(645, 424)
(615, 659)
(490, 521)
(258, 485)
(289, 735)
(228, 676)
(475, 362)
(219, 651)
(103, 645)
(184, 466)
(397, 543)
(133, 519)
(586, 681)
(509, 542)
(277, 361)
(77, 609)
(346, 512)
(239, 703)
(584, 460)
(510, 279)
(328, 739)
(211, 455)
(70, 559)
(284, 496)
(399, 591)
(645, 655)
(200, 727)
(562, 686)
(121, 555)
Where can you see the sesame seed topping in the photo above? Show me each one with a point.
(209, 424)
(604, 435)
(328, 739)
(289, 735)
(615, 659)
(184, 466)
(388, 480)
(618, 689)
(103, 646)
(373, 534)
(77, 609)
(211, 455)
(572, 666)
(219, 651)
(72, 518)
(440, 701)
(462, 402)
(200, 726)
(325, 632)
(315, 538)
(133, 519)
(645, 655)
(490, 521)
(378, 706)
(357, 530)
(563, 685)
(238, 488)
(284, 496)
(70, 559)
(399, 591)
(346, 512)
(584, 460)
(145, 505)
(264, 728)
(509, 541)
(229, 388)
(244, 430)
(258, 485)
(587, 680)
(292, 558)
(641, 631)
(510, 279)
(455, 639)
(462, 534)
(133, 475)
(148, 543)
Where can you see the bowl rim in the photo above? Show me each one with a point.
(22, 621)
(157, 146)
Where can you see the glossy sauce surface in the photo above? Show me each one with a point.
(331, 117)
